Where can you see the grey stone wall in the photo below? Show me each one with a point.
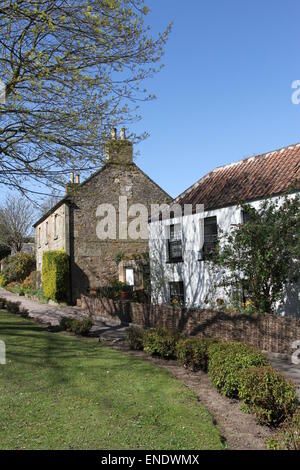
(93, 261)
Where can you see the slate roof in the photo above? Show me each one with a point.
(253, 178)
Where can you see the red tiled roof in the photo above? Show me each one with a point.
(254, 178)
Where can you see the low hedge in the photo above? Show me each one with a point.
(79, 327)
(56, 275)
(192, 353)
(288, 437)
(268, 395)
(161, 342)
(226, 362)
(134, 338)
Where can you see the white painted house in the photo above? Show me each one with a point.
(178, 245)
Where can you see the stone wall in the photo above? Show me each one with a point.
(268, 333)
(94, 260)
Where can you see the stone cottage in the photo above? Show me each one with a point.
(72, 224)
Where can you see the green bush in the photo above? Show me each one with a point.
(288, 438)
(161, 342)
(268, 394)
(82, 328)
(17, 267)
(2, 303)
(24, 313)
(56, 275)
(227, 360)
(66, 323)
(3, 280)
(193, 353)
(13, 307)
(113, 290)
(134, 338)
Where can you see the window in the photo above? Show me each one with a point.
(55, 226)
(176, 293)
(246, 217)
(47, 233)
(175, 244)
(129, 276)
(210, 236)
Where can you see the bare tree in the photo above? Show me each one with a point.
(73, 70)
(16, 218)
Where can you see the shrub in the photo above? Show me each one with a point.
(113, 290)
(56, 275)
(288, 438)
(82, 328)
(66, 323)
(3, 280)
(193, 352)
(134, 338)
(29, 283)
(17, 267)
(24, 313)
(13, 307)
(2, 303)
(161, 342)
(227, 360)
(268, 394)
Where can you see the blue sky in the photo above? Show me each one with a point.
(225, 91)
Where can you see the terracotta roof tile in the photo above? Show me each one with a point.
(253, 178)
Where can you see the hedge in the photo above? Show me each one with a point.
(268, 395)
(161, 342)
(227, 360)
(56, 275)
(193, 353)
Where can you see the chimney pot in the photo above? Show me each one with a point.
(113, 134)
(72, 177)
(77, 179)
(123, 133)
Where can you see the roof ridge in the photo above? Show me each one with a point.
(228, 165)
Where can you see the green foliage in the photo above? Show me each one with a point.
(17, 267)
(81, 328)
(193, 353)
(288, 438)
(81, 66)
(226, 362)
(3, 280)
(66, 323)
(134, 338)
(13, 307)
(267, 394)
(114, 290)
(2, 303)
(56, 275)
(161, 342)
(262, 256)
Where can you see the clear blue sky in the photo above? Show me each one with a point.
(225, 91)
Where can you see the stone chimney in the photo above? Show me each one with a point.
(71, 186)
(119, 151)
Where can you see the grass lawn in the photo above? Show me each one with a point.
(61, 392)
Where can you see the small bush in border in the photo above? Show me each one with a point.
(134, 338)
(268, 394)
(66, 323)
(2, 303)
(82, 328)
(227, 360)
(161, 342)
(13, 307)
(288, 437)
(193, 352)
